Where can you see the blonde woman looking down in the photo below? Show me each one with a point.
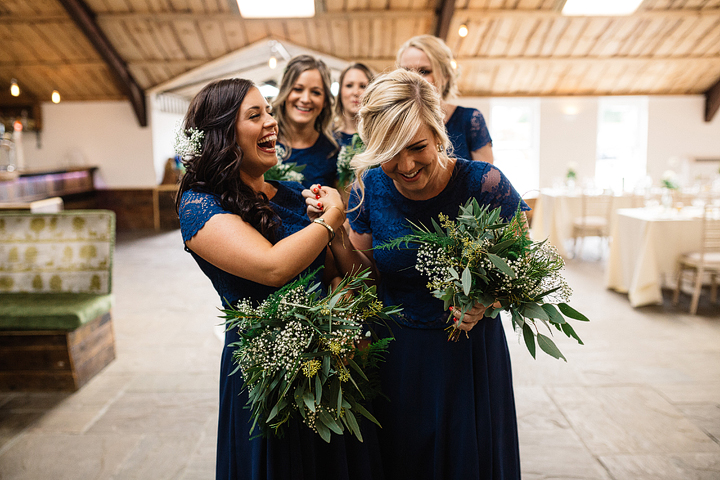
(450, 411)
(432, 59)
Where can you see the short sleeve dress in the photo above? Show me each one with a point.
(450, 408)
(320, 162)
(467, 131)
(300, 454)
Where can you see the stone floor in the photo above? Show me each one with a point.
(641, 400)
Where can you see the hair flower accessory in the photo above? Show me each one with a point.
(188, 142)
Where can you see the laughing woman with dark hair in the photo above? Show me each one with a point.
(250, 237)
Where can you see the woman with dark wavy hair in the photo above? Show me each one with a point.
(250, 237)
(304, 110)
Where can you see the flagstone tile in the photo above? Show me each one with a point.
(629, 419)
(158, 412)
(674, 466)
(66, 457)
(705, 416)
(695, 392)
(558, 453)
(158, 457)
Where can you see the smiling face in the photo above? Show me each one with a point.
(354, 84)
(306, 99)
(256, 132)
(416, 170)
(416, 60)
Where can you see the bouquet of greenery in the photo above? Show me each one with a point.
(300, 359)
(345, 173)
(282, 171)
(479, 258)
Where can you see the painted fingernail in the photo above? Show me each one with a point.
(317, 197)
(320, 205)
(315, 189)
(451, 308)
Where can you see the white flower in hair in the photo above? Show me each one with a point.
(188, 142)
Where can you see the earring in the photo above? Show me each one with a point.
(440, 147)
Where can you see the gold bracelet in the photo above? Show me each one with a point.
(331, 232)
(342, 212)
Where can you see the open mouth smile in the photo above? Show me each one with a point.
(267, 143)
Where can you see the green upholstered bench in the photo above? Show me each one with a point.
(55, 298)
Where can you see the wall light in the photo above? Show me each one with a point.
(463, 30)
(55, 96)
(272, 62)
(14, 88)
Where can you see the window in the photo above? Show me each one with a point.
(621, 162)
(515, 131)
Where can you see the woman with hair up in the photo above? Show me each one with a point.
(250, 237)
(353, 82)
(303, 109)
(450, 410)
(432, 59)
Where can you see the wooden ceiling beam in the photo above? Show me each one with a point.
(84, 18)
(443, 16)
(224, 17)
(712, 101)
(468, 14)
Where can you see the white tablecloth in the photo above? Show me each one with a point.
(646, 244)
(555, 211)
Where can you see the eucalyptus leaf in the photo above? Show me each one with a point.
(529, 338)
(549, 347)
(533, 310)
(323, 431)
(568, 311)
(466, 281)
(553, 315)
(501, 264)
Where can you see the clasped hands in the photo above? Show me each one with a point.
(320, 199)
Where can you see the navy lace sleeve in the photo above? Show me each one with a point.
(196, 209)
(468, 131)
(479, 133)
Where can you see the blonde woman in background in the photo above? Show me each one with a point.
(432, 59)
(353, 82)
(450, 408)
(303, 109)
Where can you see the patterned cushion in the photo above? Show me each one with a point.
(69, 251)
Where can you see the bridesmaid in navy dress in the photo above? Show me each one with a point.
(250, 237)
(432, 59)
(353, 82)
(303, 109)
(450, 409)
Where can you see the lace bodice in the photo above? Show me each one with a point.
(196, 208)
(385, 213)
(320, 162)
(467, 131)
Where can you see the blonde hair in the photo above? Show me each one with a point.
(441, 58)
(293, 70)
(392, 110)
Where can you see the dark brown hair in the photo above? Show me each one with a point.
(216, 169)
